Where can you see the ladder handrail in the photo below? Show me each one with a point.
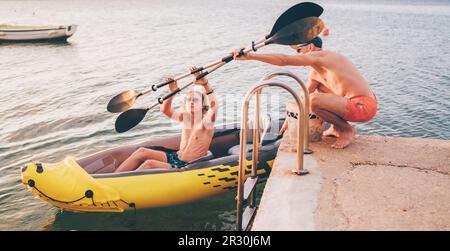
(243, 140)
(305, 93)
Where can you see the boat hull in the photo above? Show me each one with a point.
(90, 184)
(140, 191)
(61, 33)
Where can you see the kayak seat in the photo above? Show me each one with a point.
(265, 127)
(206, 157)
(235, 150)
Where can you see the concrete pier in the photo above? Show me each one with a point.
(377, 183)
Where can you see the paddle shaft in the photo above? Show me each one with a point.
(138, 114)
(162, 99)
(157, 86)
(204, 74)
(223, 60)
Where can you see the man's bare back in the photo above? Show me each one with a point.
(334, 73)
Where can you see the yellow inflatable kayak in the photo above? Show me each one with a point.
(89, 184)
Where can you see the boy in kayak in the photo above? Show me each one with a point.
(197, 117)
(338, 91)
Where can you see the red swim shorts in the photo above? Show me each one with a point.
(361, 109)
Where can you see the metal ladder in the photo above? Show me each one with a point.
(246, 187)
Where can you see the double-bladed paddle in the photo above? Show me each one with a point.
(126, 99)
(296, 32)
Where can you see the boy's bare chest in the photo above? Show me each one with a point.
(195, 134)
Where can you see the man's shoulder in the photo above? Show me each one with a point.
(325, 53)
(321, 53)
(323, 58)
(317, 56)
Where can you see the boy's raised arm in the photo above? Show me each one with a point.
(210, 116)
(166, 106)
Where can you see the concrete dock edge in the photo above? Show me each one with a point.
(377, 183)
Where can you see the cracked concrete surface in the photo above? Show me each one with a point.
(384, 183)
(377, 183)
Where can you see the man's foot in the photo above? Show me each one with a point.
(345, 138)
(331, 132)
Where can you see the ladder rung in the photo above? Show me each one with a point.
(249, 186)
(247, 217)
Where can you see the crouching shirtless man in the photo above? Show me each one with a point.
(338, 91)
(197, 117)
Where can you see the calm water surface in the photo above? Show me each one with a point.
(53, 96)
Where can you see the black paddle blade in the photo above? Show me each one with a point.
(296, 12)
(298, 32)
(129, 119)
(122, 101)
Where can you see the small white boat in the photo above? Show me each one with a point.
(16, 33)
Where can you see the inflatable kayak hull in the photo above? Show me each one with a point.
(90, 185)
